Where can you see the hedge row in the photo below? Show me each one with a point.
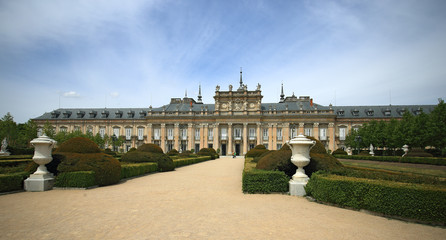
(417, 160)
(12, 182)
(81, 179)
(137, 169)
(15, 162)
(12, 157)
(263, 181)
(420, 202)
(188, 161)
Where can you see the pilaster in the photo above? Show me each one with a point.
(245, 138)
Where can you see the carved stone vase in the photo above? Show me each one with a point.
(300, 156)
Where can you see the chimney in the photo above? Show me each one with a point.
(311, 102)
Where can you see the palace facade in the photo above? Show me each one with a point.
(236, 122)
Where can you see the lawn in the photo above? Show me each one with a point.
(416, 169)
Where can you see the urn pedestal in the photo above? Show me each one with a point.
(41, 180)
(300, 156)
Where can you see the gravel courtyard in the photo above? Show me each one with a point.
(202, 201)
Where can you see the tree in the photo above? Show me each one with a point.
(48, 129)
(437, 125)
(8, 129)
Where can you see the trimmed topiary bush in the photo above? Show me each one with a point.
(173, 152)
(107, 168)
(339, 151)
(78, 145)
(110, 152)
(131, 149)
(185, 154)
(82, 179)
(256, 159)
(256, 151)
(208, 152)
(51, 166)
(150, 147)
(13, 181)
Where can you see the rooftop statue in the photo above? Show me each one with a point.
(217, 88)
(258, 87)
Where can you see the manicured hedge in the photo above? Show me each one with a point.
(78, 145)
(81, 179)
(137, 169)
(426, 203)
(15, 162)
(188, 161)
(12, 182)
(208, 152)
(417, 160)
(264, 181)
(12, 157)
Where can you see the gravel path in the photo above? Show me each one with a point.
(202, 201)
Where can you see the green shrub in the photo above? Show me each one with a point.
(318, 147)
(188, 161)
(256, 151)
(322, 161)
(12, 182)
(150, 147)
(107, 169)
(418, 152)
(20, 151)
(51, 166)
(208, 152)
(137, 169)
(164, 162)
(185, 154)
(173, 152)
(13, 157)
(131, 149)
(20, 167)
(78, 145)
(256, 159)
(14, 162)
(262, 181)
(364, 153)
(110, 152)
(278, 160)
(339, 151)
(81, 179)
(425, 203)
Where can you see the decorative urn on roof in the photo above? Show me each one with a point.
(300, 156)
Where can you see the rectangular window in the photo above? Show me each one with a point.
(184, 134)
(128, 134)
(322, 134)
(170, 133)
(102, 132)
(90, 130)
(237, 133)
(266, 145)
(211, 133)
(224, 133)
(197, 134)
(77, 129)
(279, 134)
(252, 133)
(157, 133)
(293, 132)
(308, 132)
(116, 132)
(265, 134)
(342, 134)
(63, 129)
(279, 146)
(140, 134)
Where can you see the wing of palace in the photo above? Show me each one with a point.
(236, 122)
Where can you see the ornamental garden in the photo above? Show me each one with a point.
(78, 161)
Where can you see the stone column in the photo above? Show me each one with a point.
(270, 136)
(274, 136)
(176, 136)
(285, 132)
(331, 135)
(245, 138)
(229, 150)
(259, 134)
(216, 137)
(190, 136)
(301, 129)
(149, 133)
(205, 136)
(163, 137)
(316, 130)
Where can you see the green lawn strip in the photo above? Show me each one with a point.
(415, 170)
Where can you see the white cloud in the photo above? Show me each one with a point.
(114, 94)
(71, 94)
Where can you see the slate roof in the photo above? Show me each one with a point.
(389, 111)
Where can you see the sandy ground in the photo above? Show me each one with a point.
(202, 201)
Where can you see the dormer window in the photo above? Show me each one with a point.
(80, 114)
(104, 114)
(142, 113)
(402, 111)
(118, 114)
(66, 114)
(55, 114)
(131, 114)
(418, 111)
(387, 112)
(369, 112)
(93, 114)
(355, 112)
(340, 112)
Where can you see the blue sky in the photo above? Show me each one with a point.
(110, 53)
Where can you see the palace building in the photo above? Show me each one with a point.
(237, 121)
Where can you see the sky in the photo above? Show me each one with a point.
(112, 53)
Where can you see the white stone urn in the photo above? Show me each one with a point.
(41, 180)
(300, 156)
(43, 147)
